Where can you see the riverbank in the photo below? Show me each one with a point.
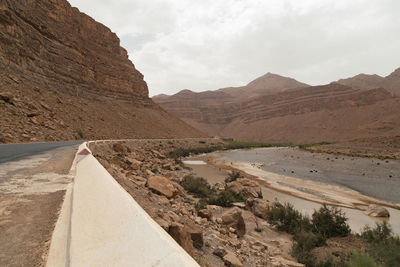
(285, 174)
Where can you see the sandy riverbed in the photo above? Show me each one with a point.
(306, 180)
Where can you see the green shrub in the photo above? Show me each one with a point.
(2, 140)
(233, 176)
(80, 133)
(384, 245)
(287, 219)
(225, 198)
(197, 185)
(330, 222)
(381, 232)
(362, 260)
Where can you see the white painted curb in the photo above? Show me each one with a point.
(106, 226)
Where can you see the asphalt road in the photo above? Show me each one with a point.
(12, 152)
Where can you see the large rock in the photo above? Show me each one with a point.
(182, 237)
(196, 234)
(230, 259)
(233, 218)
(260, 208)
(162, 185)
(377, 211)
(245, 187)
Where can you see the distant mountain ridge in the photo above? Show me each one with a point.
(292, 111)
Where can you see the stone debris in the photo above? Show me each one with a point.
(219, 236)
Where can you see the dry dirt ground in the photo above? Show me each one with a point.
(378, 147)
(31, 194)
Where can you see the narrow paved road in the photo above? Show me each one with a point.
(16, 151)
(33, 179)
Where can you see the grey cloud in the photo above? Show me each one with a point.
(211, 44)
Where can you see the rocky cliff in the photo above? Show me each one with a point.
(64, 76)
(332, 112)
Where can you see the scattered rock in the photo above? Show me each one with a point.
(119, 148)
(230, 259)
(205, 213)
(161, 185)
(377, 211)
(233, 218)
(220, 252)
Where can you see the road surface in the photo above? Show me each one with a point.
(33, 178)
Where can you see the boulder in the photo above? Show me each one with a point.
(377, 211)
(162, 185)
(245, 188)
(260, 208)
(178, 232)
(233, 218)
(230, 259)
(205, 213)
(133, 163)
(196, 234)
(138, 180)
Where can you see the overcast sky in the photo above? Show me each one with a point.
(210, 44)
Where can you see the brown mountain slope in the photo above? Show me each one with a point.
(65, 76)
(332, 112)
(267, 84)
(365, 81)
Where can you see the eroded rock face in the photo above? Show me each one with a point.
(64, 76)
(52, 39)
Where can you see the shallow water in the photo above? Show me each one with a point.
(194, 162)
(367, 176)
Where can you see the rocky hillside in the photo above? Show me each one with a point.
(333, 112)
(65, 76)
(365, 81)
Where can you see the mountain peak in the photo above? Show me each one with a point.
(271, 83)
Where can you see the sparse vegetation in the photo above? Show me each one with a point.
(384, 245)
(181, 152)
(208, 196)
(233, 176)
(330, 222)
(2, 140)
(309, 233)
(225, 198)
(302, 146)
(197, 185)
(362, 260)
(80, 133)
(287, 219)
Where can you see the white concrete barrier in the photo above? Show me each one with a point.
(108, 228)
